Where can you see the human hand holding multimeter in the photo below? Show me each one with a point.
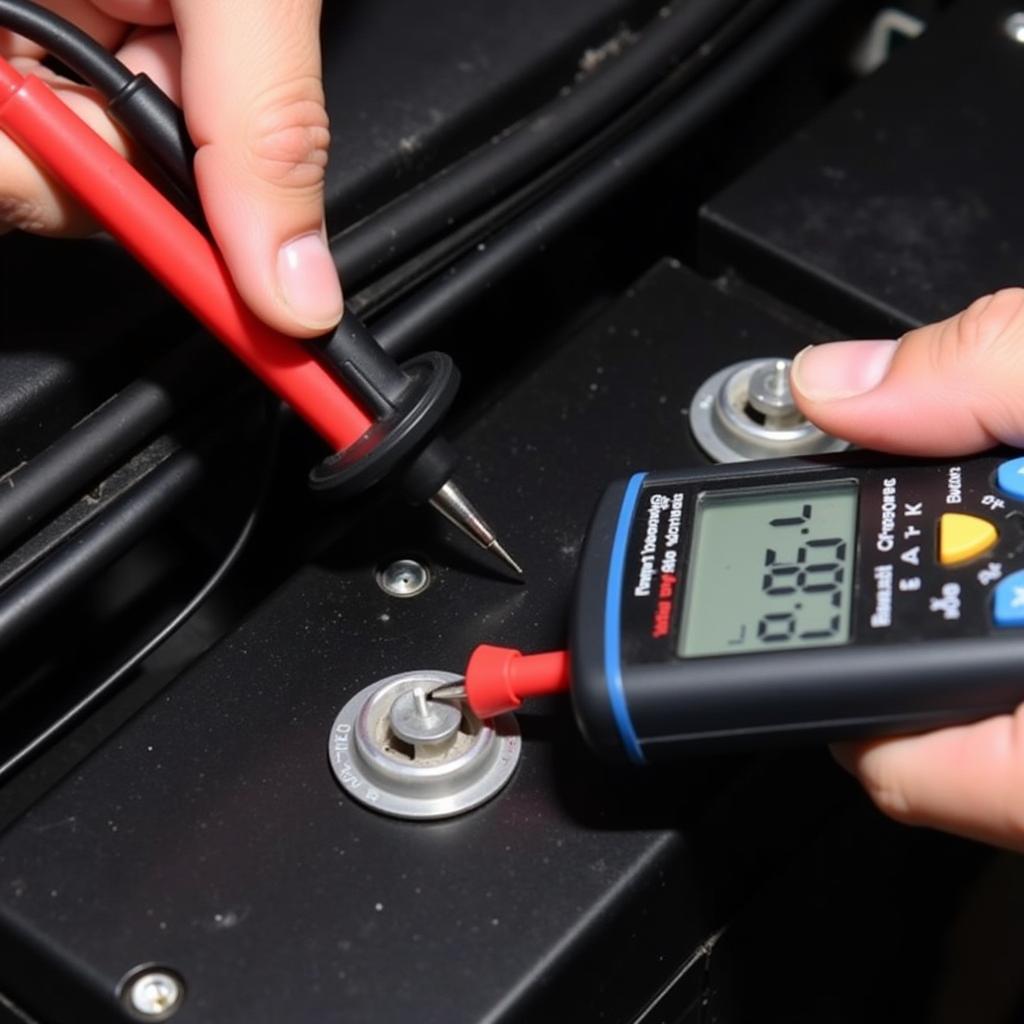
(948, 388)
(853, 595)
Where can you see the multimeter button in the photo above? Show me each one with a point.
(1010, 478)
(964, 537)
(1009, 601)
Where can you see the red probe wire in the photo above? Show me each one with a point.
(499, 679)
(174, 251)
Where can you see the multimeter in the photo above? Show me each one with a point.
(801, 599)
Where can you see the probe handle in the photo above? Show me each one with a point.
(174, 251)
(499, 679)
(358, 357)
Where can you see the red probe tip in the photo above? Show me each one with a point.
(498, 679)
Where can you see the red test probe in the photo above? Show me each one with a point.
(499, 679)
(387, 430)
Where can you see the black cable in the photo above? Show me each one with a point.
(404, 329)
(390, 235)
(68, 467)
(75, 713)
(104, 539)
(425, 264)
(73, 47)
(134, 101)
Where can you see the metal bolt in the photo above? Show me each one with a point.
(404, 578)
(1014, 26)
(419, 698)
(155, 995)
(769, 394)
(422, 722)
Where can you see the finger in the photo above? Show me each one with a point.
(254, 105)
(29, 198)
(138, 12)
(968, 780)
(106, 30)
(949, 388)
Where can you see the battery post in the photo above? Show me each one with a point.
(746, 411)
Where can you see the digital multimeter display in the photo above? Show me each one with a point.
(770, 569)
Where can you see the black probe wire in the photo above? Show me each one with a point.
(405, 328)
(379, 242)
(68, 43)
(71, 715)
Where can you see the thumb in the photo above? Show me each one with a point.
(254, 105)
(946, 389)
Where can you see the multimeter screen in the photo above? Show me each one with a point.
(770, 569)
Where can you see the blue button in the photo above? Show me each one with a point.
(1010, 478)
(1009, 603)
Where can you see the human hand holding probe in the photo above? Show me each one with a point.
(256, 110)
(247, 73)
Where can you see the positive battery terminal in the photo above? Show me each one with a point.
(398, 751)
(747, 411)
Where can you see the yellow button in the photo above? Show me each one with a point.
(964, 537)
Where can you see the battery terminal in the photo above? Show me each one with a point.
(747, 411)
(405, 754)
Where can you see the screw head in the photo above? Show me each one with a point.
(404, 578)
(1014, 26)
(154, 994)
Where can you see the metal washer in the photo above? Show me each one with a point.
(442, 785)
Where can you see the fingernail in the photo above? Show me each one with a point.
(309, 281)
(842, 369)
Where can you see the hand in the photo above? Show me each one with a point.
(948, 389)
(248, 73)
